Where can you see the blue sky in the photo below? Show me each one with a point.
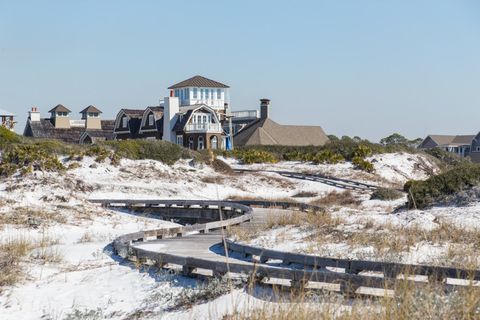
(366, 68)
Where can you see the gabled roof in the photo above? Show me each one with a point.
(133, 113)
(463, 139)
(450, 140)
(60, 108)
(6, 113)
(267, 132)
(183, 119)
(91, 108)
(199, 81)
(157, 111)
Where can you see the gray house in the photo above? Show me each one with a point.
(459, 144)
(475, 149)
(265, 131)
(89, 129)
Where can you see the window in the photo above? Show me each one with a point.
(62, 114)
(150, 119)
(200, 143)
(93, 115)
(190, 143)
(187, 94)
(202, 94)
(180, 140)
(195, 93)
(219, 94)
(176, 93)
(214, 142)
(124, 122)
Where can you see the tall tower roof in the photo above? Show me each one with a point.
(60, 108)
(199, 81)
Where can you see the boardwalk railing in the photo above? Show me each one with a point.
(298, 268)
(332, 181)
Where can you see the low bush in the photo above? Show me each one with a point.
(362, 164)
(8, 137)
(327, 156)
(250, 156)
(386, 194)
(334, 198)
(422, 194)
(163, 151)
(447, 158)
(28, 158)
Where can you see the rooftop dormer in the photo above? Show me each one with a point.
(60, 117)
(200, 90)
(91, 115)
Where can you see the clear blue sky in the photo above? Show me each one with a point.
(365, 68)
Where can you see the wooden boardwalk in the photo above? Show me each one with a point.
(200, 247)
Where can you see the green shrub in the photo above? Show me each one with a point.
(8, 137)
(163, 151)
(386, 194)
(250, 156)
(448, 159)
(362, 151)
(28, 158)
(327, 156)
(422, 194)
(362, 164)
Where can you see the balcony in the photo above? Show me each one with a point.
(203, 127)
(245, 114)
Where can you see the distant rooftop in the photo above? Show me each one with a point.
(199, 81)
(6, 113)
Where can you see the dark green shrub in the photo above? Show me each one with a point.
(386, 194)
(422, 194)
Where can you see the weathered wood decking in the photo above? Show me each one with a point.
(199, 246)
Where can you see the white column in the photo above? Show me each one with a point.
(171, 107)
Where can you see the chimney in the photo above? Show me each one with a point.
(171, 107)
(264, 106)
(34, 115)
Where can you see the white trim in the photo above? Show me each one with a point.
(118, 119)
(144, 120)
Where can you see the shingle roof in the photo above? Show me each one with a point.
(59, 108)
(199, 81)
(108, 135)
(268, 132)
(6, 113)
(134, 113)
(91, 108)
(463, 139)
(157, 111)
(44, 129)
(443, 140)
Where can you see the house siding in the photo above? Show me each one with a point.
(428, 143)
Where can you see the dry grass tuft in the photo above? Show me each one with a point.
(334, 198)
(305, 194)
(12, 253)
(23, 216)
